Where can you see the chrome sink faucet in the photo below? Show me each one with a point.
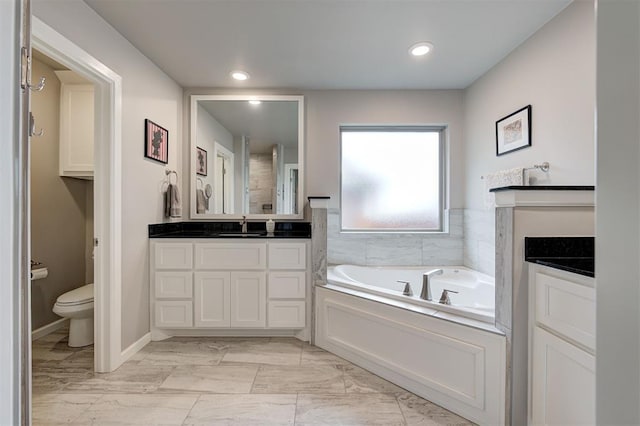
(243, 222)
(425, 294)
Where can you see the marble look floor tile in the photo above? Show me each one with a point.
(214, 379)
(292, 379)
(121, 409)
(59, 408)
(248, 410)
(359, 380)
(129, 378)
(49, 378)
(420, 412)
(181, 353)
(272, 352)
(352, 410)
(321, 357)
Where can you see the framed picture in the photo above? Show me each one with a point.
(201, 162)
(156, 142)
(513, 132)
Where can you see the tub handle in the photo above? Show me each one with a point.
(407, 288)
(444, 299)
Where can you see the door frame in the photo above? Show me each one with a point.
(229, 182)
(107, 188)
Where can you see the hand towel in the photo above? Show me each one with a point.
(202, 203)
(499, 179)
(172, 207)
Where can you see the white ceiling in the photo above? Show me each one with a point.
(326, 44)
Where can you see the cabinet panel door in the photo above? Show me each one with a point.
(212, 299)
(567, 308)
(174, 313)
(76, 130)
(287, 314)
(229, 256)
(173, 284)
(563, 388)
(248, 299)
(287, 256)
(173, 255)
(287, 285)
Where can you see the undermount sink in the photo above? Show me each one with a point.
(241, 234)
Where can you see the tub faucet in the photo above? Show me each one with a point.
(243, 222)
(425, 294)
(444, 299)
(407, 288)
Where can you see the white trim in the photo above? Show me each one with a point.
(319, 203)
(544, 198)
(135, 347)
(220, 150)
(49, 328)
(108, 187)
(288, 167)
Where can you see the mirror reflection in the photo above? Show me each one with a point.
(246, 155)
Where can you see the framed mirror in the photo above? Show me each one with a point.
(247, 157)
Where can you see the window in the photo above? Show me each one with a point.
(392, 178)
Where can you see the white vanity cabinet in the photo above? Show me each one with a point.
(228, 284)
(562, 347)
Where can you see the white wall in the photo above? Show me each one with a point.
(554, 71)
(147, 93)
(326, 111)
(617, 214)
(209, 132)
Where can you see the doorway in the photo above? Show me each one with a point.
(107, 183)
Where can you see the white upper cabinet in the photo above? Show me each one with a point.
(76, 126)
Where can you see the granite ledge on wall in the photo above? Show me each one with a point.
(228, 230)
(544, 188)
(571, 254)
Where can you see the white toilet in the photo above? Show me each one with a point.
(77, 305)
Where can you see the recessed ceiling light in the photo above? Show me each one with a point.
(255, 102)
(240, 75)
(421, 48)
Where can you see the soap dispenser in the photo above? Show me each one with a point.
(271, 226)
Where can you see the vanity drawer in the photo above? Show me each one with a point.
(236, 256)
(287, 256)
(174, 314)
(287, 285)
(173, 256)
(173, 284)
(286, 314)
(567, 308)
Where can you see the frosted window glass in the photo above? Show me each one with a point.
(391, 180)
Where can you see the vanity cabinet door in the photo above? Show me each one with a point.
(248, 299)
(173, 255)
(563, 388)
(212, 299)
(287, 314)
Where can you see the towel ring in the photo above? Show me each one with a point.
(169, 173)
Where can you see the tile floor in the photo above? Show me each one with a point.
(219, 381)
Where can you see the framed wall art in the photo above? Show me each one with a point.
(201, 162)
(156, 142)
(513, 132)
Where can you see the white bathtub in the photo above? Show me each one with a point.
(476, 291)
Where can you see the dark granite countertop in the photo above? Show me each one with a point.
(228, 230)
(544, 188)
(572, 254)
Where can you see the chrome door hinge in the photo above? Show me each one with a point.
(25, 68)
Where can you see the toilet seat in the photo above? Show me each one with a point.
(79, 296)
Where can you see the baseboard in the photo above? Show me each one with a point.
(135, 347)
(49, 328)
